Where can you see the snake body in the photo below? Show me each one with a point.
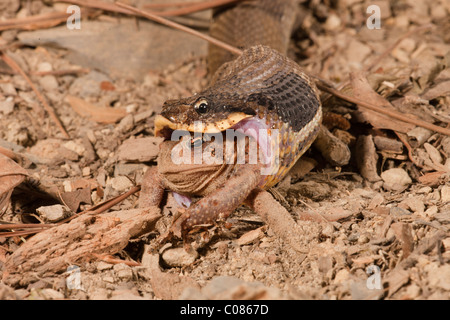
(261, 89)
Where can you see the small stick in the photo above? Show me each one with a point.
(101, 207)
(182, 4)
(382, 110)
(9, 61)
(180, 27)
(60, 72)
(192, 7)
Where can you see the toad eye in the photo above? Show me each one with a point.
(201, 106)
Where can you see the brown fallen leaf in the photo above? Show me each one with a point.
(73, 199)
(363, 91)
(432, 179)
(11, 175)
(95, 113)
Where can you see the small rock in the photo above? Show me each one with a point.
(78, 148)
(102, 265)
(178, 257)
(341, 276)
(395, 179)
(412, 292)
(48, 83)
(123, 272)
(54, 213)
(333, 22)
(8, 89)
(44, 67)
(440, 277)
(126, 295)
(7, 105)
(51, 294)
(121, 183)
(424, 190)
(142, 149)
(398, 211)
(376, 201)
(126, 124)
(416, 205)
(445, 194)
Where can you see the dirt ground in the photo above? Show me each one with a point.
(378, 226)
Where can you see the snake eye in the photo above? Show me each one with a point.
(201, 106)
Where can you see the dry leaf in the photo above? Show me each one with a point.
(362, 90)
(11, 175)
(95, 113)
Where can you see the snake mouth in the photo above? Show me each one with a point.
(165, 127)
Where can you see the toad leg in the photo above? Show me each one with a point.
(152, 189)
(220, 203)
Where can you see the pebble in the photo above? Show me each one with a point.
(121, 183)
(7, 106)
(398, 211)
(123, 272)
(341, 276)
(333, 22)
(445, 194)
(178, 257)
(102, 265)
(126, 124)
(439, 276)
(8, 89)
(395, 179)
(53, 213)
(48, 83)
(415, 204)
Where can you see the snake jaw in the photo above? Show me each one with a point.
(162, 123)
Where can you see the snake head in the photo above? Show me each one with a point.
(206, 112)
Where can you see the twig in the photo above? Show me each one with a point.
(9, 61)
(180, 27)
(382, 110)
(36, 228)
(60, 72)
(101, 207)
(98, 5)
(24, 23)
(191, 7)
(25, 226)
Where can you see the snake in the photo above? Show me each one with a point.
(261, 90)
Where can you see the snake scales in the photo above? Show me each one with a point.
(260, 89)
